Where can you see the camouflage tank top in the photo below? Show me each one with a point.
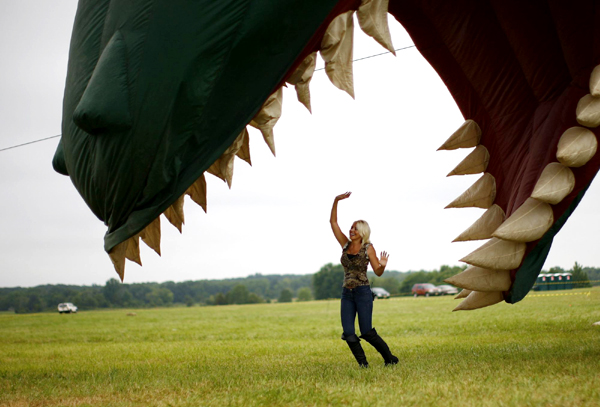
(355, 267)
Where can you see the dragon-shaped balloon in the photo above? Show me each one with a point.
(160, 92)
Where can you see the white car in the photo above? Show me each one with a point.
(448, 289)
(66, 307)
(379, 292)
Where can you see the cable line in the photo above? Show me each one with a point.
(375, 55)
(320, 69)
(30, 142)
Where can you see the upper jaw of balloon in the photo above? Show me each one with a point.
(336, 49)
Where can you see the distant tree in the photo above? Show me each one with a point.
(34, 303)
(286, 295)
(189, 301)
(238, 295)
(557, 270)
(86, 300)
(220, 299)
(159, 296)
(304, 294)
(414, 278)
(390, 284)
(580, 277)
(255, 299)
(327, 282)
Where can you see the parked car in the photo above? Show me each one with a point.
(425, 289)
(67, 308)
(448, 289)
(379, 292)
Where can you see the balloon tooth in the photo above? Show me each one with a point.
(244, 151)
(484, 226)
(528, 223)
(588, 111)
(223, 166)
(463, 294)
(196, 191)
(480, 195)
(117, 256)
(480, 279)
(555, 183)
(336, 50)
(474, 163)
(595, 82)
(301, 79)
(467, 135)
(268, 115)
(478, 299)
(133, 249)
(372, 17)
(576, 147)
(151, 235)
(497, 254)
(174, 213)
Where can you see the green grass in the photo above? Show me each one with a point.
(542, 351)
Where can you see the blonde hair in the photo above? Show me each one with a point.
(363, 229)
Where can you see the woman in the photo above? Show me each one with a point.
(357, 253)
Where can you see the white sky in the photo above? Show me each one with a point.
(275, 219)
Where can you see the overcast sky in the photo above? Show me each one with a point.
(275, 219)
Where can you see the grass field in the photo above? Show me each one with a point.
(542, 351)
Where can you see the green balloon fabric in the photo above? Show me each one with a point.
(157, 90)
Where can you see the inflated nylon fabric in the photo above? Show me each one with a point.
(196, 73)
(518, 69)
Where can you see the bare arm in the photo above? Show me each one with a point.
(377, 264)
(339, 235)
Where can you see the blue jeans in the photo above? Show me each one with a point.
(357, 300)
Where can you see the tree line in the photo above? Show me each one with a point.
(254, 289)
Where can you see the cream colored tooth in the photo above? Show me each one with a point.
(479, 279)
(595, 82)
(336, 50)
(478, 299)
(133, 249)
(372, 18)
(223, 167)
(268, 115)
(555, 183)
(151, 235)
(588, 111)
(528, 223)
(497, 254)
(463, 294)
(117, 256)
(174, 213)
(480, 195)
(301, 79)
(244, 151)
(484, 226)
(196, 191)
(467, 135)
(576, 147)
(474, 163)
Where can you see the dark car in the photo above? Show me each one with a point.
(379, 292)
(425, 289)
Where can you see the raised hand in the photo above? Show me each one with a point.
(343, 196)
(384, 258)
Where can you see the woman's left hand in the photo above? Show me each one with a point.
(384, 258)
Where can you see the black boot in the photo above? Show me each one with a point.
(357, 350)
(375, 340)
